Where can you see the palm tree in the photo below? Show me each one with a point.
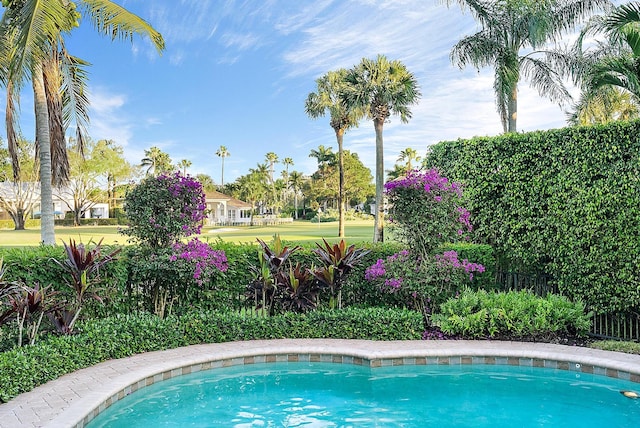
(287, 162)
(510, 40)
(380, 88)
(271, 159)
(616, 62)
(296, 180)
(327, 98)
(324, 155)
(222, 152)
(156, 161)
(37, 28)
(408, 155)
(184, 164)
(604, 105)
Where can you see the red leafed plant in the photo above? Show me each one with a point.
(337, 260)
(83, 265)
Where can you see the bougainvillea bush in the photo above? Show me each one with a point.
(424, 283)
(426, 212)
(162, 211)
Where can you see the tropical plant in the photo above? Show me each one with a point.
(287, 162)
(324, 155)
(31, 33)
(222, 153)
(409, 155)
(156, 161)
(29, 305)
(296, 180)
(337, 262)
(512, 39)
(380, 88)
(612, 63)
(83, 266)
(603, 105)
(183, 164)
(327, 98)
(272, 270)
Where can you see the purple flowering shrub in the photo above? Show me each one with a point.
(426, 211)
(164, 209)
(425, 282)
(204, 260)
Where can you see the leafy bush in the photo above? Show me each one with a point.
(22, 369)
(162, 210)
(29, 223)
(563, 202)
(520, 314)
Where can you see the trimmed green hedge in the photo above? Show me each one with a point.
(565, 202)
(34, 265)
(514, 314)
(29, 223)
(88, 222)
(22, 369)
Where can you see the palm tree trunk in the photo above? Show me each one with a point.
(379, 217)
(222, 173)
(339, 137)
(512, 109)
(47, 234)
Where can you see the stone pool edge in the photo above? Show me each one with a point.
(76, 398)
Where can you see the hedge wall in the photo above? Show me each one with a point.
(565, 202)
(35, 266)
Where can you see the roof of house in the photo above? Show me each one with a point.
(215, 196)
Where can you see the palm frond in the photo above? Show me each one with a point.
(115, 21)
(478, 50)
(36, 26)
(75, 100)
(545, 79)
(52, 80)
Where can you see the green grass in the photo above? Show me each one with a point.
(299, 231)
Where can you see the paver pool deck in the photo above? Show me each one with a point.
(74, 399)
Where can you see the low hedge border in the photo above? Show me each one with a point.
(22, 369)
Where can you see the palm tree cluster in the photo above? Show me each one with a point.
(374, 89)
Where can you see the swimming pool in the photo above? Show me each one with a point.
(346, 395)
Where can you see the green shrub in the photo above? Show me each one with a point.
(22, 369)
(29, 223)
(512, 314)
(563, 202)
(87, 221)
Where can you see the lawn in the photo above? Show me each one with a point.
(299, 231)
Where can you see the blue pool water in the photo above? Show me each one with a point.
(344, 395)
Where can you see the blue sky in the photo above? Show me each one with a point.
(236, 73)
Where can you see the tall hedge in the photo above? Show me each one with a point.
(565, 202)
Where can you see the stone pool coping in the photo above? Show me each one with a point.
(74, 399)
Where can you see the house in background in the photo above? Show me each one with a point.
(225, 210)
(62, 201)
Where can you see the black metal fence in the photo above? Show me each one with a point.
(619, 326)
